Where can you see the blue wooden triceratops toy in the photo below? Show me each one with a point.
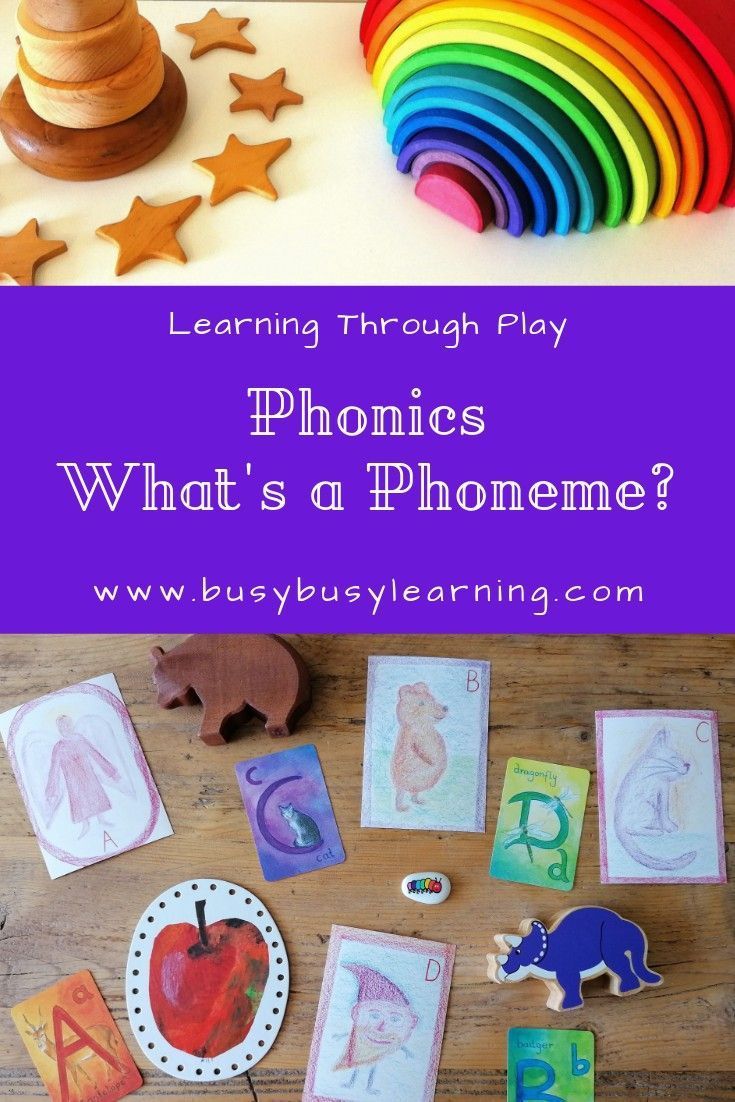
(581, 943)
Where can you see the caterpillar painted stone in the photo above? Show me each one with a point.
(581, 943)
(426, 887)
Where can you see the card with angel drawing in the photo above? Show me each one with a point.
(426, 724)
(81, 772)
(660, 800)
(380, 1021)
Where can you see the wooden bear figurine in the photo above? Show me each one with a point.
(581, 943)
(234, 677)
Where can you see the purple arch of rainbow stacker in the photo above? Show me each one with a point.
(634, 98)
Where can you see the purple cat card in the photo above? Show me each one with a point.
(290, 813)
(660, 802)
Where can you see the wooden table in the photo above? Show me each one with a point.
(675, 1042)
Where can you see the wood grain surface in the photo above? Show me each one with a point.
(672, 1043)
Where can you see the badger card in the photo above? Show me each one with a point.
(660, 800)
(75, 1044)
(290, 813)
(425, 763)
(551, 1064)
(540, 824)
(81, 772)
(380, 1021)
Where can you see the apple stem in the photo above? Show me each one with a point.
(200, 905)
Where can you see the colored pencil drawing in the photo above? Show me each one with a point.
(540, 823)
(660, 801)
(380, 1020)
(290, 812)
(75, 1044)
(425, 759)
(85, 782)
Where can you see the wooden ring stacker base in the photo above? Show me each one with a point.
(93, 154)
(84, 105)
(81, 55)
(72, 15)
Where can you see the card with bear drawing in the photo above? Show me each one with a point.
(290, 813)
(425, 763)
(540, 824)
(660, 800)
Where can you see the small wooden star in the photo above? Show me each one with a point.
(241, 167)
(149, 233)
(21, 255)
(265, 95)
(214, 32)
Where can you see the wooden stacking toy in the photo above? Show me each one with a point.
(562, 112)
(94, 95)
(578, 945)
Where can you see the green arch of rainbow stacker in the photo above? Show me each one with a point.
(425, 68)
(591, 84)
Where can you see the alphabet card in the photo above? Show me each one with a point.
(81, 772)
(75, 1044)
(540, 824)
(660, 800)
(425, 764)
(290, 813)
(380, 1020)
(556, 1064)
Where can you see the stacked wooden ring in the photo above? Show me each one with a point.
(89, 77)
(555, 114)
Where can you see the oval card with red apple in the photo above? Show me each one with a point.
(207, 980)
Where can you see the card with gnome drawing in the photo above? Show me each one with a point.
(425, 763)
(660, 801)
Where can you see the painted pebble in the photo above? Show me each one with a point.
(426, 887)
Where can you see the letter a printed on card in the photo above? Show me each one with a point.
(75, 1044)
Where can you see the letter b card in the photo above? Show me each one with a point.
(551, 1065)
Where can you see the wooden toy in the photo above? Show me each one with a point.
(580, 943)
(234, 677)
(149, 233)
(21, 255)
(458, 193)
(427, 888)
(214, 32)
(266, 95)
(241, 167)
(651, 80)
(431, 158)
(94, 96)
(72, 15)
(81, 55)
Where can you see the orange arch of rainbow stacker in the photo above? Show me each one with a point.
(551, 30)
(594, 86)
(604, 36)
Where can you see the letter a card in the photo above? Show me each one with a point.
(425, 763)
(75, 1044)
(540, 824)
(552, 1064)
(660, 799)
(290, 813)
(380, 1021)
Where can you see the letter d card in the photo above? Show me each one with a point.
(74, 1043)
(551, 1065)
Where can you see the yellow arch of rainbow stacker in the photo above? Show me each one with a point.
(632, 48)
(621, 95)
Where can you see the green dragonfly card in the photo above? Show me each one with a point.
(540, 824)
(557, 1065)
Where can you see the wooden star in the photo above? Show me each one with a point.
(149, 233)
(265, 95)
(214, 32)
(21, 255)
(241, 167)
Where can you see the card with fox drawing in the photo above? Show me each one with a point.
(75, 1044)
(290, 812)
(660, 800)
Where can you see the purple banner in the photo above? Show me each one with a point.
(367, 459)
